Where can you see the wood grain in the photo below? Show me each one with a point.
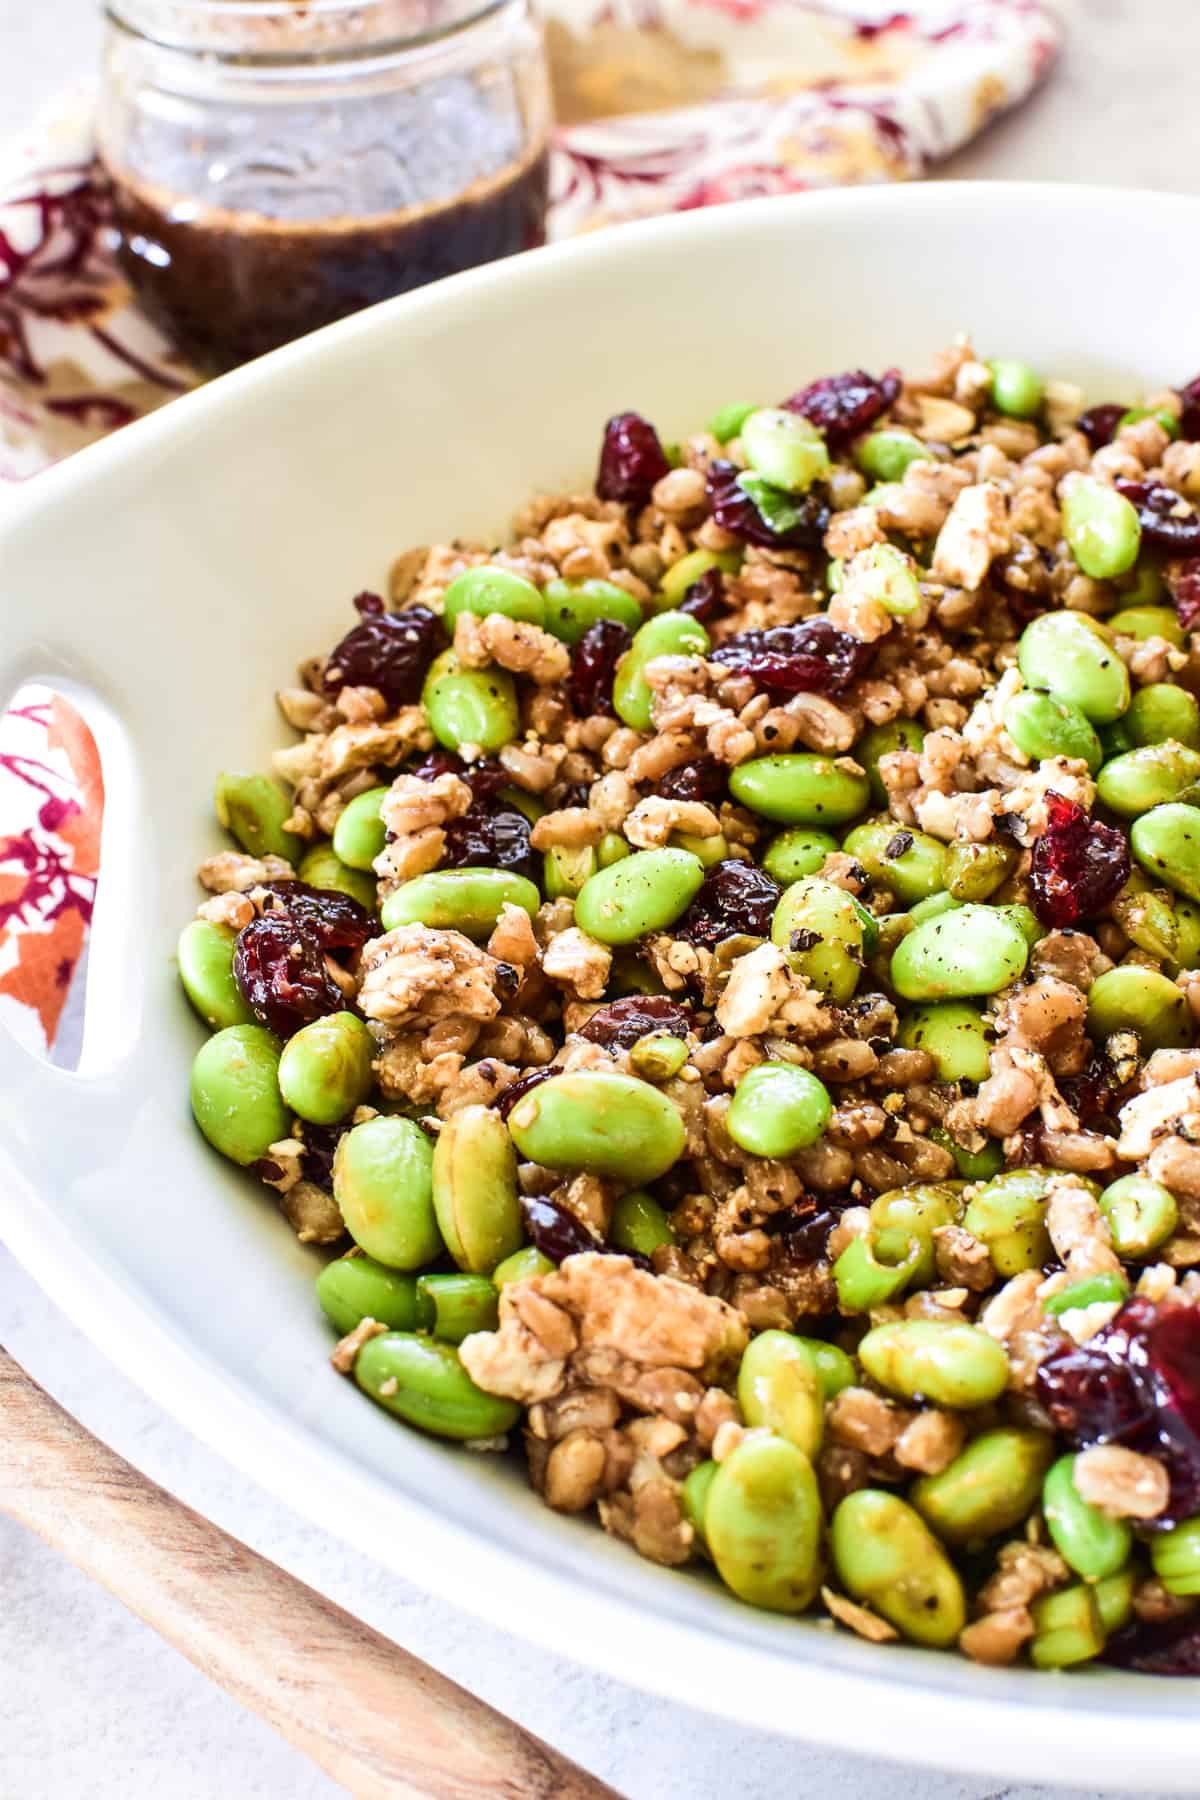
(379, 1721)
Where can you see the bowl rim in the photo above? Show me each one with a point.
(907, 1705)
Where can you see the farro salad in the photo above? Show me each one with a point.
(723, 971)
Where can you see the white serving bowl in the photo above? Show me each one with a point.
(170, 579)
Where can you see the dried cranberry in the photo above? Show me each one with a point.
(631, 460)
(705, 780)
(388, 651)
(734, 897)
(813, 657)
(320, 1146)
(705, 599)
(280, 970)
(623, 1022)
(489, 837)
(842, 406)
(733, 509)
(1183, 582)
(804, 1235)
(1079, 865)
(1099, 424)
(1137, 1383)
(553, 1230)
(1189, 418)
(1166, 517)
(594, 666)
(1091, 1095)
(332, 919)
(505, 1101)
(1158, 1646)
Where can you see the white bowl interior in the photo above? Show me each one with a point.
(172, 579)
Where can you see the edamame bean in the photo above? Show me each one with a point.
(1068, 654)
(643, 893)
(1166, 843)
(206, 971)
(235, 1092)
(1094, 1290)
(1141, 1214)
(950, 1364)
(778, 1386)
(383, 1184)
(321, 867)
(835, 1370)
(658, 1056)
(255, 809)
(1016, 389)
(1114, 1599)
(954, 1033)
(1143, 622)
(639, 1224)
(784, 448)
(800, 789)
(778, 1109)
(975, 871)
(884, 455)
(727, 421)
(564, 870)
(884, 740)
(762, 1524)
(1175, 1555)
(935, 907)
(1026, 921)
(796, 853)
(573, 607)
(1089, 1541)
(475, 707)
(1161, 712)
(1130, 785)
(707, 850)
(355, 1287)
(1133, 998)
(682, 575)
(864, 1281)
(822, 925)
(887, 1557)
(915, 1212)
(973, 951)
(423, 1382)
(990, 1487)
(695, 1498)
(466, 900)
(1009, 1216)
(475, 1194)
(1067, 1629)
(1102, 529)
(522, 1265)
(1148, 918)
(972, 1165)
(669, 634)
(608, 1124)
(1043, 726)
(325, 1069)
(910, 863)
(360, 834)
(460, 1304)
(488, 589)
(888, 576)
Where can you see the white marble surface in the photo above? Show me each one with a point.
(90, 1702)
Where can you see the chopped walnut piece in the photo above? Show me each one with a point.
(1122, 1483)
(416, 973)
(997, 1638)
(346, 1349)
(859, 1619)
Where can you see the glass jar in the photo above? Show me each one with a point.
(277, 165)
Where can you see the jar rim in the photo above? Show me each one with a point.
(284, 31)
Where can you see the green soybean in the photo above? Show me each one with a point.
(1026, 922)
(1101, 527)
(779, 1387)
(884, 455)
(1175, 1555)
(1008, 1214)
(762, 1524)
(975, 950)
(954, 1033)
(888, 576)
(1144, 622)
(325, 1069)
(972, 1165)
(564, 870)
(887, 1557)
(668, 634)
(910, 863)
(822, 925)
(1088, 1540)
(645, 892)
(383, 1184)
(885, 740)
(360, 834)
(353, 1288)
(990, 1487)
(864, 1281)
(1093, 1290)
(485, 589)
(1133, 998)
(206, 971)
(1067, 1629)
(1149, 776)
(475, 1195)
(1070, 656)
(952, 1365)
(784, 448)
(255, 809)
(1141, 1214)
(522, 1265)
(935, 907)
(696, 1488)
(1043, 726)
(727, 421)
(466, 900)
(1166, 842)
(235, 1092)
(796, 853)
(476, 707)
(1161, 712)
(913, 1213)
(608, 1124)
(800, 789)
(835, 1370)
(1016, 388)
(778, 1109)
(573, 607)
(658, 1056)
(1114, 1599)
(975, 871)
(681, 575)
(423, 1382)
(459, 1304)
(322, 867)
(639, 1224)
